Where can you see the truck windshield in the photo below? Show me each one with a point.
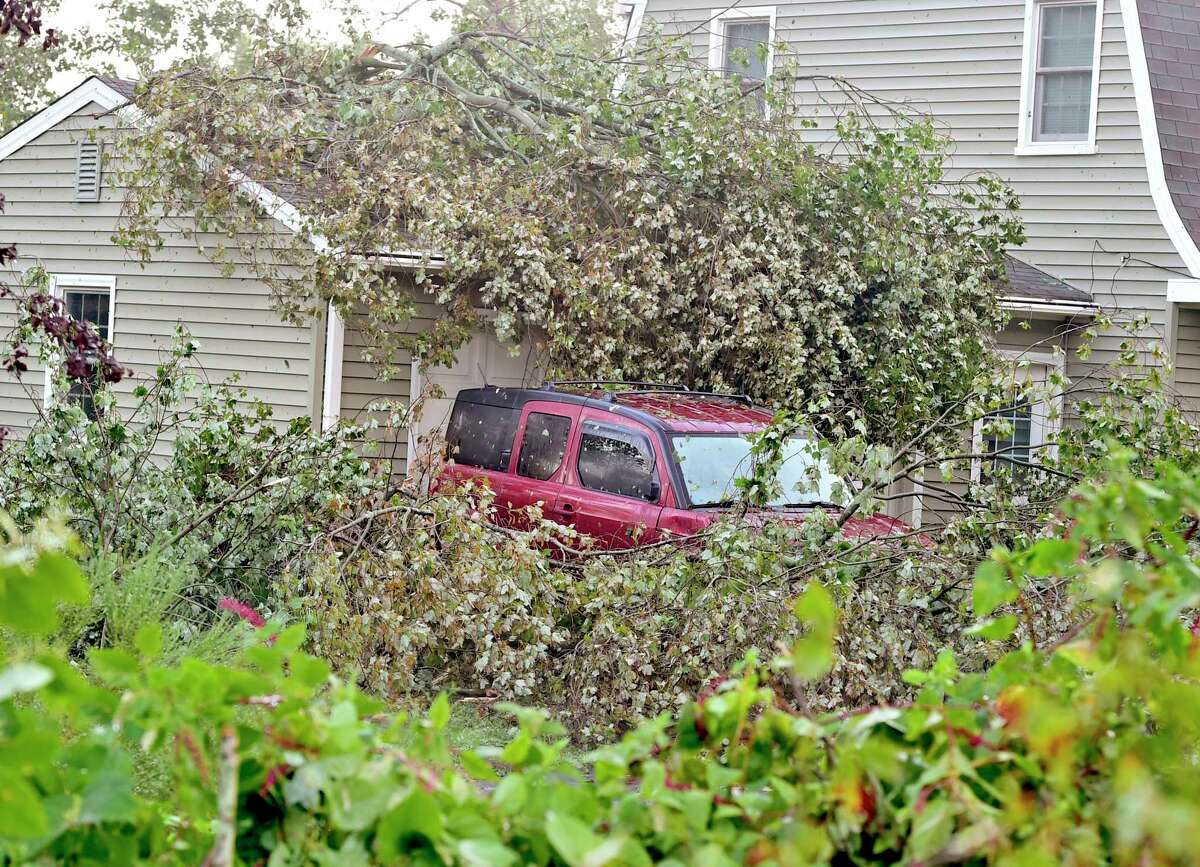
(710, 464)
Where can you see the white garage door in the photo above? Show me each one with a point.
(483, 361)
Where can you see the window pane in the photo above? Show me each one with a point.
(1068, 35)
(1012, 446)
(1066, 104)
(481, 436)
(90, 307)
(743, 55)
(709, 465)
(543, 446)
(616, 461)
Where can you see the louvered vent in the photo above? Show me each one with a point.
(87, 172)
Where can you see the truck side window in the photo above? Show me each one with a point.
(479, 435)
(543, 446)
(617, 460)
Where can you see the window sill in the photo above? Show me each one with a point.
(1056, 149)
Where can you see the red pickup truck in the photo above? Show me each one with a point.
(625, 463)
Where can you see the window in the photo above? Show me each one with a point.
(741, 43)
(1016, 436)
(543, 446)
(480, 435)
(1008, 434)
(87, 298)
(709, 464)
(88, 305)
(1060, 79)
(617, 460)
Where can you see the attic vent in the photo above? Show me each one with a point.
(87, 172)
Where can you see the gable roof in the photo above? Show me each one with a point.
(94, 90)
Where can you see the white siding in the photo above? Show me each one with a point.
(1090, 219)
(229, 316)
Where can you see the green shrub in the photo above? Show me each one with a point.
(194, 481)
(1081, 752)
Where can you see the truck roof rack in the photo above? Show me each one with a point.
(629, 387)
(557, 384)
(737, 398)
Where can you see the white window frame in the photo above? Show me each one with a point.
(59, 283)
(716, 32)
(1045, 417)
(1026, 146)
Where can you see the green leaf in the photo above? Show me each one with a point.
(812, 653)
(485, 853)
(1053, 557)
(996, 629)
(23, 677)
(29, 600)
(439, 713)
(417, 815)
(149, 640)
(577, 844)
(992, 589)
(21, 811)
(477, 767)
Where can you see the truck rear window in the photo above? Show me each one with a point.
(479, 435)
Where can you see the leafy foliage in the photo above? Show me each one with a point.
(182, 491)
(667, 229)
(423, 595)
(1077, 753)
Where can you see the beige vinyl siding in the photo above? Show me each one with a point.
(229, 316)
(361, 386)
(1187, 356)
(1090, 219)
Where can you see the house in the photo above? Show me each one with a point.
(1089, 109)
(61, 211)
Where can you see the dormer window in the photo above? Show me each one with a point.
(1059, 87)
(87, 172)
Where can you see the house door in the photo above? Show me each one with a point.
(482, 361)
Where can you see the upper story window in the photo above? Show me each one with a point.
(741, 43)
(1059, 86)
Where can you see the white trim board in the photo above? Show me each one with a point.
(92, 90)
(633, 30)
(1156, 174)
(335, 344)
(1183, 291)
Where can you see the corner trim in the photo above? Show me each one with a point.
(1184, 244)
(335, 342)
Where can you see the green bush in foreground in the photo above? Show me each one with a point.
(1079, 753)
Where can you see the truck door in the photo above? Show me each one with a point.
(543, 437)
(614, 485)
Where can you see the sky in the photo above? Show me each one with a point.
(409, 17)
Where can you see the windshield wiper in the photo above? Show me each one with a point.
(811, 504)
